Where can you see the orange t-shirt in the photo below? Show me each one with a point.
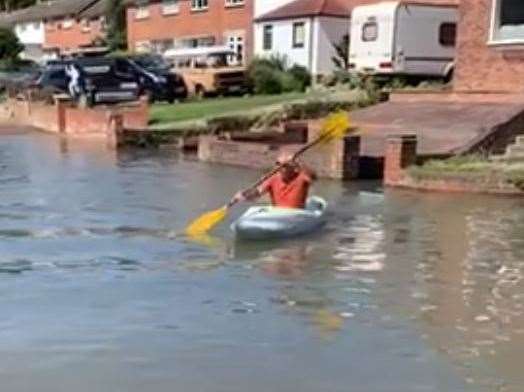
(292, 194)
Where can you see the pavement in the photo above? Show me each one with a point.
(442, 127)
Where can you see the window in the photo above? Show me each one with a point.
(170, 7)
(85, 25)
(236, 43)
(67, 23)
(370, 30)
(142, 46)
(299, 34)
(267, 40)
(234, 3)
(447, 35)
(199, 5)
(142, 10)
(195, 42)
(507, 24)
(160, 46)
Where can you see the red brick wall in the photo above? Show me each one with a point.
(63, 118)
(72, 37)
(215, 21)
(479, 66)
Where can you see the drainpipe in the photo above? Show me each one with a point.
(311, 43)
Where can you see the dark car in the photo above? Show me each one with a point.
(100, 79)
(20, 76)
(157, 79)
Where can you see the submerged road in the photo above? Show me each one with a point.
(402, 291)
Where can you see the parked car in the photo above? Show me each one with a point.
(19, 77)
(403, 38)
(209, 70)
(100, 79)
(157, 79)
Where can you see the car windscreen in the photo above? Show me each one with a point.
(152, 63)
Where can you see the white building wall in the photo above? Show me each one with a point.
(30, 33)
(283, 41)
(328, 31)
(264, 6)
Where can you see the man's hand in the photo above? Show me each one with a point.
(238, 198)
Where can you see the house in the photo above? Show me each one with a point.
(79, 24)
(305, 31)
(56, 27)
(490, 46)
(158, 25)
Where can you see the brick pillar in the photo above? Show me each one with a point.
(351, 158)
(115, 131)
(401, 152)
(62, 101)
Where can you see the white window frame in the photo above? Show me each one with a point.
(236, 39)
(494, 25)
(270, 27)
(67, 23)
(235, 3)
(142, 10)
(170, 7)
(85, 25)
(199, 5)
(294, 43)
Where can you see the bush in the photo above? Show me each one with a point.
(302, 76)
(272, 76)
(10, 47)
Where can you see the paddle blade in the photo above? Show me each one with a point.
(336, 126)
(206, 222)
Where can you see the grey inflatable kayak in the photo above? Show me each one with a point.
(268, 222)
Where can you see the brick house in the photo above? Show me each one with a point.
(57, 26)
(81, 24)
(490, 46)
(158, 25)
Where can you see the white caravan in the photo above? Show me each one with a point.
(403, 38)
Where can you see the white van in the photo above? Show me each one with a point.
(403, 38)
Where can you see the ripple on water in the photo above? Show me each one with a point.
(16, 266)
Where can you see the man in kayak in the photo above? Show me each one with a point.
(288, 188)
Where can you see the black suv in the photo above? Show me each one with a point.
(100, 79)
(157, 79)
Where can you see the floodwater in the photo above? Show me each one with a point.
(401, 291)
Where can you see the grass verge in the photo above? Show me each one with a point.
(471, 168)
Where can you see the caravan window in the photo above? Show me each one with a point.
(370, 31)
(507, 21)
(447, 35)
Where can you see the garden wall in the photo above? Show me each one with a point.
(62, 117)
(338, 159)
(401, 155)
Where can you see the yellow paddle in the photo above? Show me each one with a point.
(335, 127)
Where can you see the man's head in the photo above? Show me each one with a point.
(290, 168)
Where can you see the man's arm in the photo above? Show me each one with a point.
(251, 194)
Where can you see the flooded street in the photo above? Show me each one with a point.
(402, 291)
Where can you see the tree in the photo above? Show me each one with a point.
(116, 24)
(12, 5)
(10, 46)
(341, 58)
